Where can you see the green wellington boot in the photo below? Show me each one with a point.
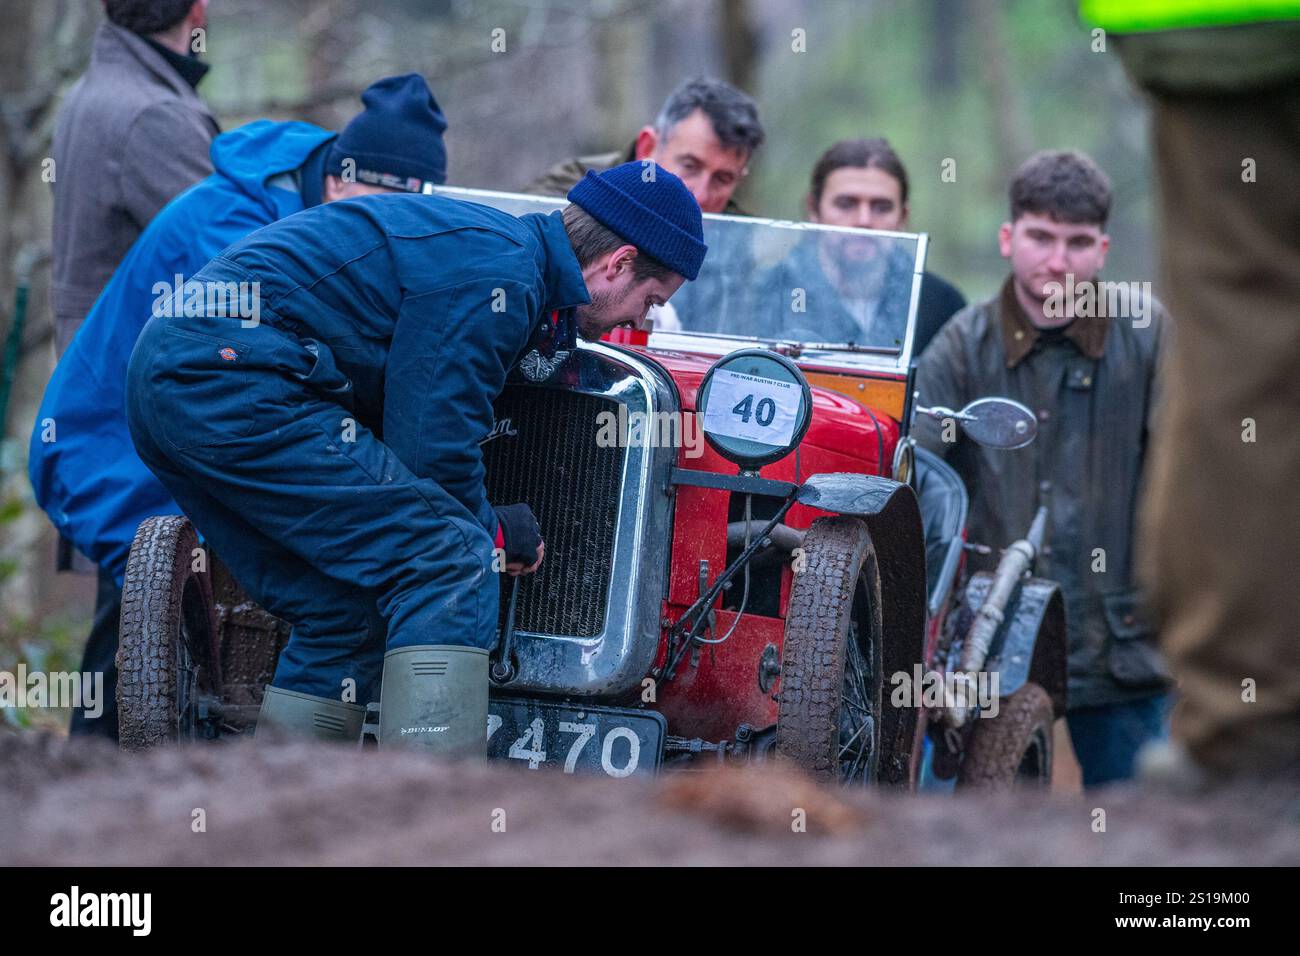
(290, 713)
(435, 698)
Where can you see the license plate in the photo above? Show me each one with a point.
(606, 740)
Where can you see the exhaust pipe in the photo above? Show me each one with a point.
(782, 536)
(1017, 561)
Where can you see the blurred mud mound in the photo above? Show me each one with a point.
(76, 803)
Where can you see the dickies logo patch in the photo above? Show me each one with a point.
(228, 354)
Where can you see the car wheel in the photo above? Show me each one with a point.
(829, 711)
(1015, 747)
(167, 648)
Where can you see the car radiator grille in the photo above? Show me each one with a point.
(573, 486)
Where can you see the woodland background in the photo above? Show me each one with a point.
(982, 82)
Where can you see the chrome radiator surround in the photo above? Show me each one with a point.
(613, 662)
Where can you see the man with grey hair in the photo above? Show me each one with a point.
(705, 134)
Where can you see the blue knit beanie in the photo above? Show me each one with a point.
(654, 212)
(396, 141)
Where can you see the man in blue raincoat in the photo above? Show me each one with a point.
(82, 463)
(396, 317)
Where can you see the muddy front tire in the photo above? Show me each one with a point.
(1015, 747)
(167, 649)
(829, 714)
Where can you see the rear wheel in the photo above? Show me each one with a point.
(829, 715)
(1015, 747)
(167, 656)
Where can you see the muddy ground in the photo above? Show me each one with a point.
(75, 803)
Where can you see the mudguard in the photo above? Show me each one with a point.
(894, 519)
(1031, 644)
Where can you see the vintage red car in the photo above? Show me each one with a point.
(746, 556)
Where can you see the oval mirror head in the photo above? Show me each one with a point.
(999, 423)
(754, 407)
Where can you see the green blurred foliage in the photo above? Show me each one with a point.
(983, 82)
(52, 642)
(918, 72)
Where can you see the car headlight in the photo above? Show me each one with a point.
(754, 406)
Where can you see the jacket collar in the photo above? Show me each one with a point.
(113, 44)
(190, 68)
(1020, 336)
(311, 175)
(565, 287)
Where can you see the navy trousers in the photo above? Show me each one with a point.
(252, 431)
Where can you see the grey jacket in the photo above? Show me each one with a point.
(131, 135)
(1093, 389)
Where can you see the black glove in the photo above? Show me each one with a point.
(520, 533)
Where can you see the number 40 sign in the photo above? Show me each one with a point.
(756, 409)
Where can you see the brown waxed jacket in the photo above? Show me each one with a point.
(1093, 388)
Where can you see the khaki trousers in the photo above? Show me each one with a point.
(1221, 518)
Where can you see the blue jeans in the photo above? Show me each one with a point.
(1107, 739)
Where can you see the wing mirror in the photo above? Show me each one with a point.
(993, 422)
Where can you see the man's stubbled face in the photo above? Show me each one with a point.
(622, 302)
(1043, 251)
(692, 152)
(861, 197)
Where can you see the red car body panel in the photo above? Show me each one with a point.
(721, 692)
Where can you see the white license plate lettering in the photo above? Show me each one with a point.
(607, 752)
(535, 755)
(574, 740)
(585, 732)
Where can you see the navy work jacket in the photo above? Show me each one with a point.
(424, 303)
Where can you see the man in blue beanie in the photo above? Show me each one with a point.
(394, 144)
(397, 317)
(82, 464)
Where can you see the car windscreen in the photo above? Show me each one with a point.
(822, 287)
(797, 282)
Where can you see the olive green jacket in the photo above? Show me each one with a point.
(1205, 47)
(560, 178)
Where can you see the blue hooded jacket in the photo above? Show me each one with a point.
(82, 463)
